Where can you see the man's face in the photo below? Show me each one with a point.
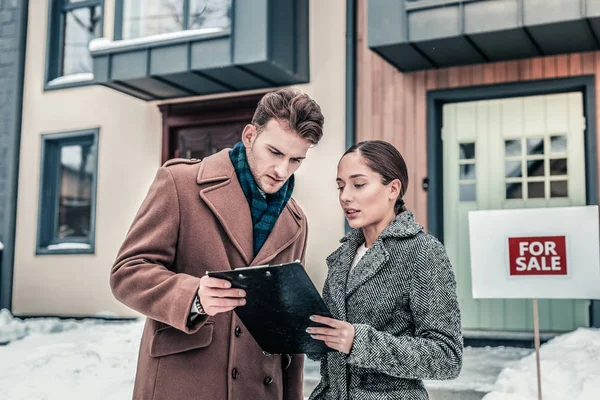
(274, 154)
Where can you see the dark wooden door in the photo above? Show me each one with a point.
(199, 129)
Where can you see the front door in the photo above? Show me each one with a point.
(199, 129)
(525, 152)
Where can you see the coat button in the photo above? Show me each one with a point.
(268, 380)
(238, 331)
(234, 373)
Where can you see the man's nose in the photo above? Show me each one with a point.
(281, 169)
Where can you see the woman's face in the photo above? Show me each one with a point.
(366, 201)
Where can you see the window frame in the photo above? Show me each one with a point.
(118, 26)
(54, 38)
(48, 191)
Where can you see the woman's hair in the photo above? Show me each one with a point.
(386, 160)
(301, 113)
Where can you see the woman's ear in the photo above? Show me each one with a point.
(395, 186)
(249, 135)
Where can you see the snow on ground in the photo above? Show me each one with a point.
(67, 359)
(570, 370)
(53, 359)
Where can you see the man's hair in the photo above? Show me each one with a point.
(293, 107)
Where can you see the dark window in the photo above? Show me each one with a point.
(137, 18)
(72, 25)
(68, 192)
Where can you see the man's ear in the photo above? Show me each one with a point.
(249, 135)
(395, 186)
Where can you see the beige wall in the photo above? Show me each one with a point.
(128, 156)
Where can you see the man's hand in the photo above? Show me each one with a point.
(216, 296)
(339, 337)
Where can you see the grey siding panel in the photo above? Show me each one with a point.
(537, 12)
(236, 78)
(433, 23)
(250, 21)
(169, 59)
(195, 83)
(385, 22)
(491, 15)
(405, 55)
(302, 66)
(576, 37)
(451, 51)
(129, 65)
(210, 54)
(505, 45)
(157, 88)
(101, 66)
(13, 31)
(281, 30)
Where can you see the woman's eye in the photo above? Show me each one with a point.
(340, 188)
(275, 152)
(358, 186)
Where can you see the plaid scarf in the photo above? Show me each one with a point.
(264, 208)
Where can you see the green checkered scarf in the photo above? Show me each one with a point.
(265, 210)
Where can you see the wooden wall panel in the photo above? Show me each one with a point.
(392, 105)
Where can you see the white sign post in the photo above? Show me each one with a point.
(550, 253)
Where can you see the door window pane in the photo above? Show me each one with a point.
(514, 190)
(81, 26)
(467, 192)
(513, 169)
(467, 151)
(558, 166)
(512, 148)
(536, 190)
(535, 168)
(558, 144)
(535, 146)
(210, 14)
(467, 172)
(559, 189)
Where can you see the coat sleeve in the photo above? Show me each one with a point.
(435, 350)
(141, 277)
(293, 375)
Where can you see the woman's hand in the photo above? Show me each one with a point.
(339, 337)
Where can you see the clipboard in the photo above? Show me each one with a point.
(279, 301)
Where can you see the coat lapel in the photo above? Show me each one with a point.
(227, 201)
(367, 267)
(339, 265)
(286, 231)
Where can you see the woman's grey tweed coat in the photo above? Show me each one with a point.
(401, 299)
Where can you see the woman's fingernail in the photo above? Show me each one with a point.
(312, 317)
(308, 330)
(313, 336)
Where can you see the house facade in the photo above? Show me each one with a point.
(491, 102)
(172, 78)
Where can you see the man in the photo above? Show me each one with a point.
(230, 210)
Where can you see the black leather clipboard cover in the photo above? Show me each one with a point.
(279, 301)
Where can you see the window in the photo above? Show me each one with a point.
(536, 168)
(467, 177)
(67, 199)
(137, 18)
(72, 25)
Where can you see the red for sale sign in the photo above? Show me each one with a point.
(540, 255)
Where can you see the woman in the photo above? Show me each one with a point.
(390, 288)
